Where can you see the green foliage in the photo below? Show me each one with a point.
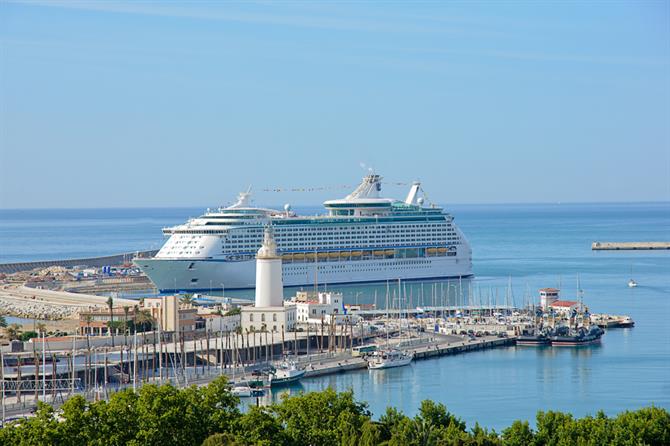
(3, 321)
(259, 427)
(221, 440)
(27, 335)
(13, 331)
(518, 434)
(319, 417)
(166, 416)
(233, 312)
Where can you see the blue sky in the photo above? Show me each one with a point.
(116, 104)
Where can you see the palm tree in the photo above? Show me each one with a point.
(88, 319)
(126, 310)
(3, 321)
(13, 331)
(110, 304)
(41, 328)
(143, 318)
(187, 300)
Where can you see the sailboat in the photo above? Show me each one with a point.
(389, 357)
(631, 283)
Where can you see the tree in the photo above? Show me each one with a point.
(302, 427)
(13, 331)
(110, 305)
(259, 427)
(28, 335)
(41, 328)
(233, 312)
(88, 319)
(143, 320)
(221, 440)
(518, 434)
(3, 321)
(126, 310)
(187, 300)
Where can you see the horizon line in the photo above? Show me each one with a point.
(511, 203)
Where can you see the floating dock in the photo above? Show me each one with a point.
(628, 246)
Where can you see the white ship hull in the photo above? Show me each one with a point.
(390, 363)
(193, 275)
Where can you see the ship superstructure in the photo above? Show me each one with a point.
(361, 238)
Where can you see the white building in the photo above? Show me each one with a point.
(565, 307)
(269, 312)
(216, 323)
(547, 297)
(314, 308)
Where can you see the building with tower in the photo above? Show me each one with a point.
(270, 312)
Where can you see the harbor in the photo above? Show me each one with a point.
(438, 324)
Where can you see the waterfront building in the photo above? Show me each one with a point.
(170, 314)
(216, 323)
(548, 296)
(270, 312)
(565, 307)
(362, 238)
(315, 308)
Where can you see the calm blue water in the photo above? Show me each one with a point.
(537, 245)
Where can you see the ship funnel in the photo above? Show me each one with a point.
(412, 196)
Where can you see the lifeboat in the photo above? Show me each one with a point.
(356, 253)
(442, 250)
(378, 253)
(299, 256)
(333, 255)
(323, 255)
(431, 251)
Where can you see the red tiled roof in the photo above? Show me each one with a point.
(563, 303)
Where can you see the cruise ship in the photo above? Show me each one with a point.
(360, 238)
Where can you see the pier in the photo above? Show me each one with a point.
(628, 246)
(9, 268)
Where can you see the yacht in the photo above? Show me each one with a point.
(241, 390)
(360, 238)
(287, 372)
(388, 358)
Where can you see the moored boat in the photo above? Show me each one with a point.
(566, 337)
(389, 358)
(533, 339)
(287, 372)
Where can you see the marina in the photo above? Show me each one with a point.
(475, 307)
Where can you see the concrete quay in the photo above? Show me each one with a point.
(457, 345)
(617, 246)
(9, 268)
(35, 303)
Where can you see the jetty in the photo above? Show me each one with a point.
(628, 246)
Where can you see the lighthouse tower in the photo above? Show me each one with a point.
(269, 313)
(269, 283)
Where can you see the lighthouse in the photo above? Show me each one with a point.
(269, 283)
(269, 312)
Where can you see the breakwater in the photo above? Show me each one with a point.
(628, 246)
(117, 259)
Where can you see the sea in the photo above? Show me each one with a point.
(517, 249)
